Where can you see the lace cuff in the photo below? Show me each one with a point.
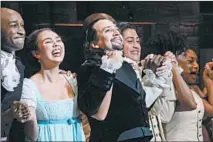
(150, 79)
(111, 65)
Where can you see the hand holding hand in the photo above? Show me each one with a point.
(172, 57)
(153, 62)
(21, 111)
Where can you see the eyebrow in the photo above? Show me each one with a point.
(109, 27)
(192, 58)
(16, 21)
(48, 38)
(132, 37)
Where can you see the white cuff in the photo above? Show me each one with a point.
(110, 65)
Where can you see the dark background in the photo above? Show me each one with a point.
(194, 20)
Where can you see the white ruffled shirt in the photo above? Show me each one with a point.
(10, 76)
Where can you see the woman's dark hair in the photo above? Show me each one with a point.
(32, 64)
(170, 41)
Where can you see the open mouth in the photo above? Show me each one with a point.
(56, 53)
(193, 75)
(135, 52)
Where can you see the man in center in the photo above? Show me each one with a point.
(110, 94)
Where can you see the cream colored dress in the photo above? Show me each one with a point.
(162, 112)
(186, 125)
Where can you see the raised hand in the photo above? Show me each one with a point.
(153, 62)
(208, 71)
(183, 62)
(21, 111)
(171, 56)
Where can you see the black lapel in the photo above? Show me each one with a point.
(127, 76)
(20, 66)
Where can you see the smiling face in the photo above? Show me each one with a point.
(108, 35)
(50, 48)
(12, 25)
(190, 71)
(132, 47)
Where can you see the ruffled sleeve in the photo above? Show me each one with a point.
(150, 79)
(29, 93)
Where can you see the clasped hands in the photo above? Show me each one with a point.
(21, 111)
(160, 65)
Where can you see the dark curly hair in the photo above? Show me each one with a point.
(170, 41)
(32, 64)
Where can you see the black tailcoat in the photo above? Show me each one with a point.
(127, 115)
(16, 133)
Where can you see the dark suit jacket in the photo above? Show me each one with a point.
(17, 130)
(127, 108)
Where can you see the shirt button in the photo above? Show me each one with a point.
(199, 111)
(200, 135)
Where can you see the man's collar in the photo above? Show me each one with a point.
(130, 61)
(7, 54)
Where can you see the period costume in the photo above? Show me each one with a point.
(12, 74)
(127, 118)
(186, 125)
(160, 98)
(57, 120)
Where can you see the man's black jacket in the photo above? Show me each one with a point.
(127, 108)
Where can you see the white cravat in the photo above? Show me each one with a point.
(10, 76)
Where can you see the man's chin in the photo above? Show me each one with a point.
(18, 46)
(117, 46)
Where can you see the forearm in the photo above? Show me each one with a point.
(204, 91)
(209, 87)
(31, 127)
(184, 93)
(93, 88)
(104, 107)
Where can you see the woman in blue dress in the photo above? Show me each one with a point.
(51, 96)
